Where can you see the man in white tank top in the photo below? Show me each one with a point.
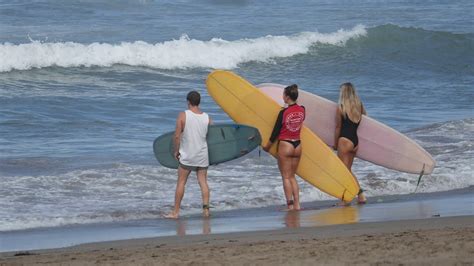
(191, 151)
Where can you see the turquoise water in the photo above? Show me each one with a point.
(86, 87)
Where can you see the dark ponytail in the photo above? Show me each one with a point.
(292, 92)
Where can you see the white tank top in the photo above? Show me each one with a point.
(193, 146)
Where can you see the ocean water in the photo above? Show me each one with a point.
(86, 86)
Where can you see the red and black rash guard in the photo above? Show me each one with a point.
(289, 122)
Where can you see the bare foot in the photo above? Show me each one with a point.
(171, 215)
(288, 208)
(361, 199)
(206, 213)
(290, 204)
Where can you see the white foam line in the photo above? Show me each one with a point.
(175, 54)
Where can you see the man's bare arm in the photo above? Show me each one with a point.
(180, 121)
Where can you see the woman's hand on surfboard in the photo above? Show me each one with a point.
(356, 148)
(267, 146)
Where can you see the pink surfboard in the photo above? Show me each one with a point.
(378, 143)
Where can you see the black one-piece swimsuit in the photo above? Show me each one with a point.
(349, 130)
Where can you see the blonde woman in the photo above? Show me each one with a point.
(348, 117)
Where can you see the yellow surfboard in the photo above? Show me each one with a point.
(246, 104)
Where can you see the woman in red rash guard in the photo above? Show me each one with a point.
(287, 131)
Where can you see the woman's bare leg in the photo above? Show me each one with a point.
(344, 148)
(346, 152)
(295, 160)
(285, 151)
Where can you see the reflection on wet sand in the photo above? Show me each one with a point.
(182, 226)
(337, 215)
(309, 218)
(292, 219)
(366, 213)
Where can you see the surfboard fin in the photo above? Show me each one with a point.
(419, 178)
(222, 132)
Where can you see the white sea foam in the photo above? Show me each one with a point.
(182, 53)
(126, 192)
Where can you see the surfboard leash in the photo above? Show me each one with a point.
(343, 193)
(419, 178)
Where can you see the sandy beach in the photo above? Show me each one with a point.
(435, 241)
(426, 229)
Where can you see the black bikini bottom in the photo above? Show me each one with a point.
(353, 138)
(295, 143)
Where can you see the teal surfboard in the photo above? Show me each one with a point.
(225, 142)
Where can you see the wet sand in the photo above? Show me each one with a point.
(434, 241)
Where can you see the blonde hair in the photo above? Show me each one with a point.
(349, 103)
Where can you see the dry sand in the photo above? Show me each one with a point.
(435, 241)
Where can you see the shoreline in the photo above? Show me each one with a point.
(316, 214)
(440, 240)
